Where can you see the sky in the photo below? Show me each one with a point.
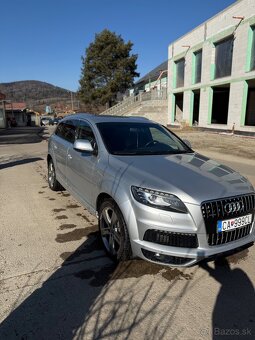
(45, 39)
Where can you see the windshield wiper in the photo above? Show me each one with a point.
(151, 153)
(124, 153)
(183, 151)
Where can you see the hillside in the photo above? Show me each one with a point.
(38, 94)
(32, 90)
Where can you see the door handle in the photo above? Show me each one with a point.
(69, 156)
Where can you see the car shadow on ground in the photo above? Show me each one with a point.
(13, 163)
(22, 135)
(234, 310)
(88, 297)
(57, 308)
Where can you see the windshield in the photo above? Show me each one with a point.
(124, 138)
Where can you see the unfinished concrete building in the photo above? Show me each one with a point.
(211, 72)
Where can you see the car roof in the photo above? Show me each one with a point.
(106, 118)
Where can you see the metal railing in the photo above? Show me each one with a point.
(133, 102)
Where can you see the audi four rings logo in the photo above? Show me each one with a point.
(233, 207)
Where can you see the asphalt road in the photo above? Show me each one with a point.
(57, 283)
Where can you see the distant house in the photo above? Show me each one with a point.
(22, 115)
(155, 78)
(2, 111)
(33, 118)
(18, 111)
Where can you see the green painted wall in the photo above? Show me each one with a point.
(173, 108)
(174, 75)
(216, 83)
(244, 103)
(210, 102)
(212, 72)
(193, 70)
(249, 49)
(191, 107)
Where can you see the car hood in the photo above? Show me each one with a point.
(192, 177)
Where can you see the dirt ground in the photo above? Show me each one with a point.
(237, 145)
(56, 281)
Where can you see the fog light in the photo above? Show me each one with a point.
(167, 259)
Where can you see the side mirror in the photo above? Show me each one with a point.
(83, 145)
(187, 142)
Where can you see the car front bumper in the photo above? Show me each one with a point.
(145, 218)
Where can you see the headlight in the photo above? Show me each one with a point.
(157, 199)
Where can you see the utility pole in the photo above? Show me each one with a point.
(72, 99)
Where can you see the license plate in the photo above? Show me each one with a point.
(234, 223)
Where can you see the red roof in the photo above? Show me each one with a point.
(15, 106)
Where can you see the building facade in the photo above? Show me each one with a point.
(211, 72)
(2, 111)
(157, 78)
(16, 111)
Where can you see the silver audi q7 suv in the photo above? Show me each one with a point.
(155, 198)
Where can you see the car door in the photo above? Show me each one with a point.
(81, 166)
(64, 138)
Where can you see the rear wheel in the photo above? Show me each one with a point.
(53, 183)
(113, 231)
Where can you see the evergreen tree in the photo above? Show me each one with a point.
(108, 68)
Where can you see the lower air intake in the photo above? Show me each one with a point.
(166, 259)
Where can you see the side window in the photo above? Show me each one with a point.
(85, 132)
(66, 130)
(69, 133)
(59, 130)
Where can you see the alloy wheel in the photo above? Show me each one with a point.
(51, 174)
(110, 230)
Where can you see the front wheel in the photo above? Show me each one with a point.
(52, 180)
(113, 231)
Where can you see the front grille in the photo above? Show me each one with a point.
(172, 239)
(217, 210)
(216, 239)
(166, 259)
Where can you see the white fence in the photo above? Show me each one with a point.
(134, 101)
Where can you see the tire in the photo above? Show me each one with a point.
(52, 181)
(113, 231)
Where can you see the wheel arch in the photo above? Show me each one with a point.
(101, 197)
(125, 246)
(125, 208)
(48, 158)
